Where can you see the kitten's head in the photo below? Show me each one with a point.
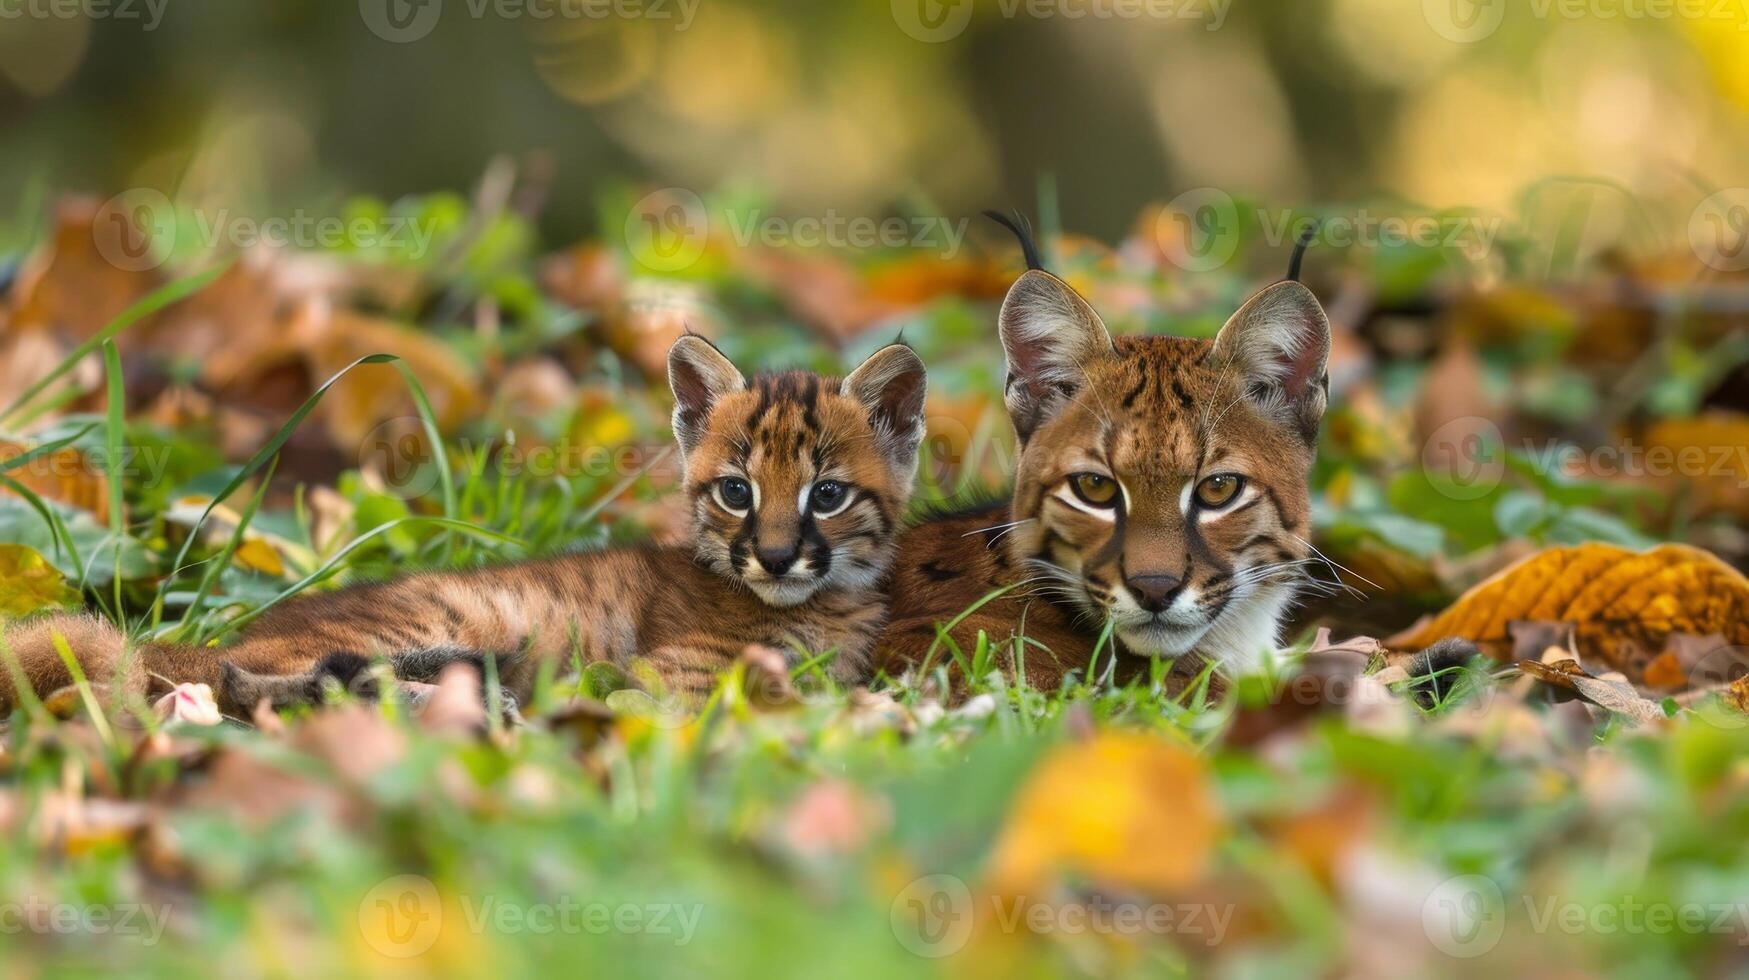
(1165, 479)
(798, 482)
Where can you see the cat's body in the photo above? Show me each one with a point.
(796, 482)
(1161, 493)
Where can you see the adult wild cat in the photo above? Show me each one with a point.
(1161, 487)
(797, 485)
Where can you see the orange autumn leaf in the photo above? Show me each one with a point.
(375, 393)
(65, 475)
(95, 267)
(1125, 809)
(1705, 457)
(1623, 605)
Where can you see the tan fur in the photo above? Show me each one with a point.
(1158, 414)
(689, 610)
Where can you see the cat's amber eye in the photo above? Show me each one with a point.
(1094, 489)
(734, 493)
(1219, 490)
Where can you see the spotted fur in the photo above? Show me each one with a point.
(780, 571)
(1171, 574)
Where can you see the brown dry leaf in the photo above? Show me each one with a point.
(71, 289)
(1123, 809)
(1707, 453)
(354, 739)
(65, 475)
(26, 356)
(653, 316)
(457, 706)
(1454, 403)
(375, 393)
(1618, 602)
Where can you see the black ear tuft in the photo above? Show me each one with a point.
(1021, 229)
(1293, 264)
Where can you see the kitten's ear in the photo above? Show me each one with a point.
(1050, 335)
(1280, 343)
(698, 374)
(893, 386)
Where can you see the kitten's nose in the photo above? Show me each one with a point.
(1153, 592)
(779, 559)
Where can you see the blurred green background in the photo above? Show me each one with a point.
(864, 106)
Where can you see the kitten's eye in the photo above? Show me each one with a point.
(828, 496)
(734, 493)
(1100, 491)
(1219, 490)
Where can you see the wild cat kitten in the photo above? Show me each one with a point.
(1161, 487)
(797, 484)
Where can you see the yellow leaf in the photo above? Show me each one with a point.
(1623, 605)
(29, 583)
(1123, 809)
(1705, 460)
(258, 555)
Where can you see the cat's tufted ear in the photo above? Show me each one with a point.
(699, 375)
(893, 386)
(1050, 335)
(1279, 342)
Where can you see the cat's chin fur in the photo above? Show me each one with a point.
(1242, 640)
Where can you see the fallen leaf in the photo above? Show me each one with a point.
(65, 475)
(457, 706)
(1125, 809)
(1619, 603)
(1716, 480)
(257, 555)
(28, 583)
